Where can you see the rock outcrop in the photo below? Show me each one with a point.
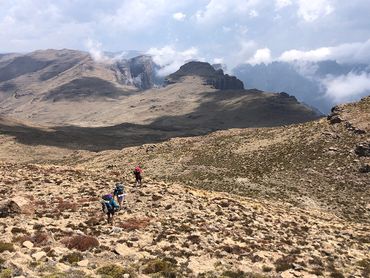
(16, 205)
(215, 78)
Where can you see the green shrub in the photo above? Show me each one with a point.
(163, 267)
(234, 274)
(266, 268)
(72, 258)
(5, 246)
(6, 273)
(111, 271)
(69, 274)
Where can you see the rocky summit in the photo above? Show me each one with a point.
(211, 76)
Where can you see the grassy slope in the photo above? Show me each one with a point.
(311, 165)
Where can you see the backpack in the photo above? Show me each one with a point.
(106, 203)
(106, 206)
(119, 190)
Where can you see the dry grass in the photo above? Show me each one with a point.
(134, 223)
(80, 242)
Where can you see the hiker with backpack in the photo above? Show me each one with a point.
(137, 172)
(109, 207)
(119, 193)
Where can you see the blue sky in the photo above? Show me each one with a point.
(229, 31)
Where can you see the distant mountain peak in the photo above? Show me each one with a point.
(211, 76)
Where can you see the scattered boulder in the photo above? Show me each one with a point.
(28, 244)
(365, 168)
(18, 205)
(335, 119)
(363, 149)
(39, 255)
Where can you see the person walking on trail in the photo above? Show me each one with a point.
(119, 193)
(109, 207)
(137, 172)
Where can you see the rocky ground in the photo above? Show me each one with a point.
(54, 228)
(323, 164)
(291, 201)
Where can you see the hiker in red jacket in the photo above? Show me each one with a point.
(137, 173)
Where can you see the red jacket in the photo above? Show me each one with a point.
(138, 169)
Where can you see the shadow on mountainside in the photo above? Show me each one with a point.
(222, 110)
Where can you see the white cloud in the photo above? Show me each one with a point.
(218, 60)
(315, 55)
(311, 10)
(246, 50)
(179, 16)
(279, 4)
(218, 10)
(96, 52)
(262, 55)
(347, 87)
(253, 13)
(170, 59)
(132, 16)
(358, 52)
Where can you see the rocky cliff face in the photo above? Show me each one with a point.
(138, 71)
(215, 78)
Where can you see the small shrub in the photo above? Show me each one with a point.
(134, 223)
(40, 239)
(80, 242)
(72, 258)
(16, 230)
(336, 274)
(111, 271)
(365, 265)
(6, 273)
(284, 263)
(5, 246)
(266, 268)
(234, 274)
(163, 267)
(69, 274)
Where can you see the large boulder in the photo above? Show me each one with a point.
(16, 205)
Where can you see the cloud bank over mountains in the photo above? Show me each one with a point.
(231, 31)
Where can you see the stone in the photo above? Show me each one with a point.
(297, 266)
(335, 119)
(28, 244)
(365, 168)
(16, 205)
(62, 267)
(39, 255)
(83, 263)
(124, 250)
(363, 149)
